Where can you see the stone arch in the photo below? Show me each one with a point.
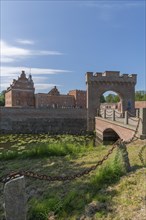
(109, 135)
(98, 83)
(117, 93)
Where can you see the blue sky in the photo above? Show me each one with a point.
(61, 40)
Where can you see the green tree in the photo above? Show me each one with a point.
(102, 99)
(111, 98)
(2, 98)
(140, 95)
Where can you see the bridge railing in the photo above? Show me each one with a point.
(110, 113)
(127, 118)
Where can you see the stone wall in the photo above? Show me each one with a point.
(31, 120)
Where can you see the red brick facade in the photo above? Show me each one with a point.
(21, 92)
(80, 98)
(43, 100)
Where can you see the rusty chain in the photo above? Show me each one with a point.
(134, 137)
(141, 155)
(86, 171)
(32, 174)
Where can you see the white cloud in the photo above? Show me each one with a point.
(22, 41)
(10, 73)
(15, 71)
(11, 53)
(7, 60)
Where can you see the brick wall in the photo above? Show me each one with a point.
(31, 120)
(140, 104)
(80, 98)
(48, 101)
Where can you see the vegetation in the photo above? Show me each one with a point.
(111, 98)
(22, 146)
(2, 98)
(140, 96)
(104, 194)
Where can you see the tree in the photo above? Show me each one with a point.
(140, 95)
(2, 98)
(102, 99)
(111, 98)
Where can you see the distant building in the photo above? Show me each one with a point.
(140, 104)
(80, 98)
(21, 94)
(54, 100)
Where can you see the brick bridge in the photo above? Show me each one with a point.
(111, 125)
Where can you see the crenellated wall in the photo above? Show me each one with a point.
(99, 83)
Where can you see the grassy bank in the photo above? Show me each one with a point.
(98, 195)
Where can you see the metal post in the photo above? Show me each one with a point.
(113, 115)
(137, 112)
(15, 200)
(126, 118)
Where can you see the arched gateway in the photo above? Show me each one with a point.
(98, 83)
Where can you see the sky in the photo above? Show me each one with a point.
(59, 41)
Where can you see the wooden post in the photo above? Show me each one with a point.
(15, 200)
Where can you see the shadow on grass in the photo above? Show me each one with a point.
(75, 198)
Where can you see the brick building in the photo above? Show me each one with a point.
(80, 98)
(54, 100)
(21, 92)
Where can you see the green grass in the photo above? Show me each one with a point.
(44, 146)
(44, 150)
(75, 201)
(67, 155)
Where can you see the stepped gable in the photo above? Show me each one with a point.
(21, 92)
(54, 91)
(22, 82)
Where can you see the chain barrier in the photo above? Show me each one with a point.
(141, 155)
(135, 133)
(109, 115)
(86, 171)
(117, 112)
(133, 118)
(32, 174)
